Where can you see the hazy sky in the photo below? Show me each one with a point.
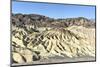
(54, 10)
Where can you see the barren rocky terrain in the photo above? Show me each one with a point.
(37, 38)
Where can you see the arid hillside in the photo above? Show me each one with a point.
(36, 37)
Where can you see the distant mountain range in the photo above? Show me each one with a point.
(36, 20)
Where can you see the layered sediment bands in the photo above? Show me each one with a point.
(65, 42)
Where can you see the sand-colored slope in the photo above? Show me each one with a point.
(74, 41)
(65, 42)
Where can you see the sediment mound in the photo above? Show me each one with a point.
(64, 42)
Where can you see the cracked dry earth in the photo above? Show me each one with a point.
(70, 42)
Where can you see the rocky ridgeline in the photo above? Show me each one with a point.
(42, 38)
(35, 20)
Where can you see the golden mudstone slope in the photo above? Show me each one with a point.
(20, 52)
(74, 41)
(71, 42)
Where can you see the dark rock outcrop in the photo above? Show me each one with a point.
(36, 20)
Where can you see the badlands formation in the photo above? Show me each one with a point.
(36, 37)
